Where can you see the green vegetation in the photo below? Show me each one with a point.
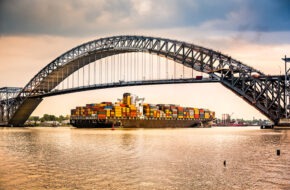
(47, 119)
(229, 121)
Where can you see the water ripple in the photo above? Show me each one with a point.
(68, 158)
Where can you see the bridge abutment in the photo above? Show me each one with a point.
(284, 123)
(24, 111)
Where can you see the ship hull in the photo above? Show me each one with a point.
(140, 123)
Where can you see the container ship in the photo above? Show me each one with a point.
(132, 112)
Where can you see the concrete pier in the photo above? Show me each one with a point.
(283, 124)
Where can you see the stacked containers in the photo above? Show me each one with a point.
(93, 108)
(108, 107)
(191, 113)
(180, 112)
(124, 111)
(201, 113)
(118, 111)
(132, 111)
(165, 111)
(153, 110)
(127, 109)
(196, 113)
(102, 114)
(168, 113)
(174, 112)
(80, 111)
(162, 114)
(206, 114)
(73, 112)
(146, 110)
(185, 113)
(102, 110)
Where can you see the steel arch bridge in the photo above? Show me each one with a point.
(265, 93)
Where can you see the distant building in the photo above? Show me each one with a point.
(226, 118)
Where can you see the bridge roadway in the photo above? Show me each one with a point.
(265, 93)
(124, 84)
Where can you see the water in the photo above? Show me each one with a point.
(68, 158)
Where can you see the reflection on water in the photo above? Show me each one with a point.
(69, 158)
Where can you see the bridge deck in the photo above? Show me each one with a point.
(124, 84)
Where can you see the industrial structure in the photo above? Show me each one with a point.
(136, 60)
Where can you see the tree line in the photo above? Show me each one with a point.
(48, 117)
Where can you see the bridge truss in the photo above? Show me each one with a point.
(139, 60)
(7, 98)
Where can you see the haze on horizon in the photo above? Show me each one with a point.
(33, 33)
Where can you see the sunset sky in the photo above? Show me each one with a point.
(34, 32)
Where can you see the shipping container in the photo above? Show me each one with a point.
(127, 108)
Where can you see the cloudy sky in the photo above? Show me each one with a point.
(34, 32)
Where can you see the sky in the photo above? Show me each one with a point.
(34, 32)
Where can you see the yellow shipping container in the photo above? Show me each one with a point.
(206, 115)
(196, 110)
(108, 113)
(129, 100)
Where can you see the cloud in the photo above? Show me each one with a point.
(90, 17)
(271, 15)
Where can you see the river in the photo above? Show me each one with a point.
(193, 158)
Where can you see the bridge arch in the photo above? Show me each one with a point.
(252, 85)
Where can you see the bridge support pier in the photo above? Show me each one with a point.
(24, 111)
(284, 123)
